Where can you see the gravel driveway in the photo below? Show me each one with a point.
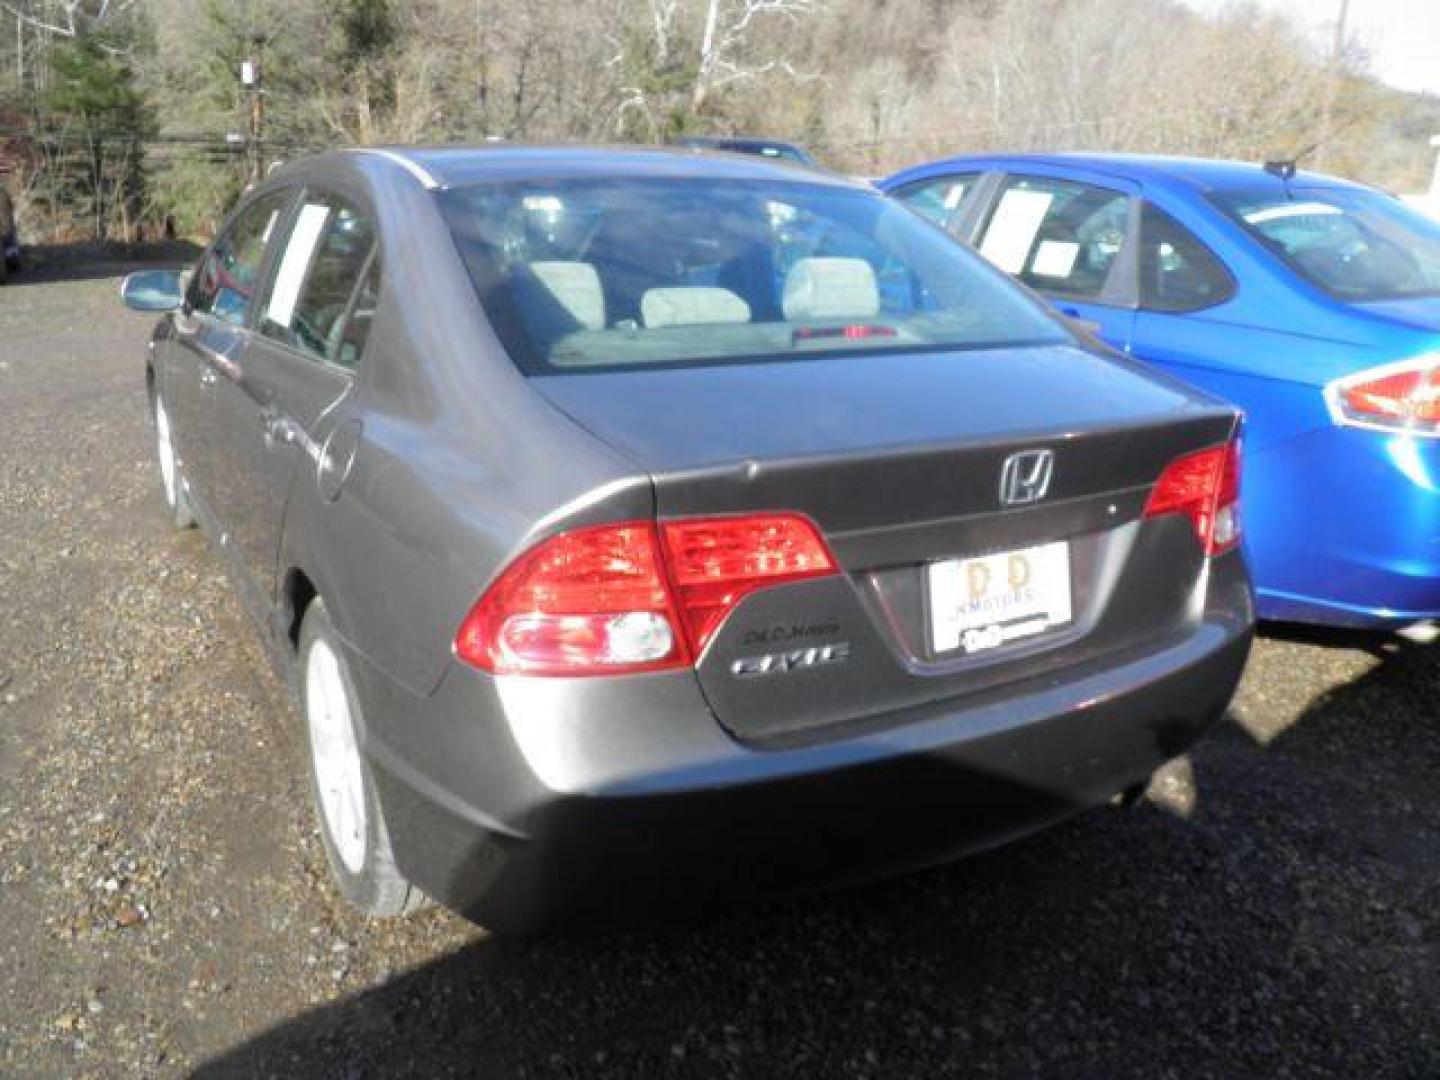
(1272, 910)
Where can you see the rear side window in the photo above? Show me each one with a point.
(1178, 273)
(230, 271)
(322, 297)
(356, 329)
(1057, 236)
(583, 273)
(1356, 244)
(940, 198)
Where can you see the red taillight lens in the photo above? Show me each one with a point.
(599, 600)
(715, 562)
(1407, 399)
(1204, 486)
(582, 603)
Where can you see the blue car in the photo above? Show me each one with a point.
(1312, 303)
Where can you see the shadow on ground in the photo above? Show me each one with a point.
(1288, 926)
(45, 264)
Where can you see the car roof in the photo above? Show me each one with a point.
(1204, 174)
(457, 166)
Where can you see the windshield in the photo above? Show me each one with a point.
(619, 272)
(1356, 245)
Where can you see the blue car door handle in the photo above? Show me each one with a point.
(1090, 326)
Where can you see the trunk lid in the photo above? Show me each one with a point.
(899, 459)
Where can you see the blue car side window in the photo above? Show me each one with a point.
(1058, 236)
(940, 198)
(1178, 273)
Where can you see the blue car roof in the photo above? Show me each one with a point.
(1205, 174)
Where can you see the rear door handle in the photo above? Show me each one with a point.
(278, 429)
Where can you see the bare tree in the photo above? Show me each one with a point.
(68, 18)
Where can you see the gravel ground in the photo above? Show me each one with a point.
(1273, 908)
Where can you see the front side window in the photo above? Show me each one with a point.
(325, 266)
(940, 198)
(1178, 273)
(1057, 236)
(230, 270)
(1355, 244)
(617, 272)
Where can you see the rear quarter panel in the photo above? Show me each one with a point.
(460, 464)
(1315, 495)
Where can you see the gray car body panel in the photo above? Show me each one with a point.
(399, 492)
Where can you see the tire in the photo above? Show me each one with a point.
(352, 825)
(172, 478)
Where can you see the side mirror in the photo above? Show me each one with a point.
(153, 290)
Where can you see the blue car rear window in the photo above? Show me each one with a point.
(582, 274)
(1356, 245)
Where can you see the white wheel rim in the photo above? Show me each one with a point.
(165, 451)
(338, 774)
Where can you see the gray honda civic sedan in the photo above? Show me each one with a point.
(638, 525)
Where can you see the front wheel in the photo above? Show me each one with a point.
(357, 843)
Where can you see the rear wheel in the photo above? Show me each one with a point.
(352, 825)
(173, 481)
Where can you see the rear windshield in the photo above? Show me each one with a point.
(585, 274)
(1356, 245)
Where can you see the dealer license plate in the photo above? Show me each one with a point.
(990, 600)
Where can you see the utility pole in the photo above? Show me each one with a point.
(1332, 86)
(250, 75)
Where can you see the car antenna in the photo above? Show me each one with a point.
(1285, 171)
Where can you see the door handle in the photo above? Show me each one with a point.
(1074, 318)
(278, 429)
(207, 377)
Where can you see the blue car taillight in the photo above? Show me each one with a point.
(1402, 397)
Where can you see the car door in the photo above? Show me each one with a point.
(1070, 239)
(279, 413)
(210, 338)
(1181, 282)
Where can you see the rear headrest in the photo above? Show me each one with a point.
(830, 288)
(692, 305)
(575, 287)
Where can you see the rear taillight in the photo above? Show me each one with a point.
(716, 562)
(1398, 397)
(589, 601)
(614, 599)
(1205, 487)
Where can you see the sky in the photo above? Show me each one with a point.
(1402, 37)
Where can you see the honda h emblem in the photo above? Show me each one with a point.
(1025, 477)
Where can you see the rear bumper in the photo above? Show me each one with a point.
(518, 835)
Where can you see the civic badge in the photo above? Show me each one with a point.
(1025, 477)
